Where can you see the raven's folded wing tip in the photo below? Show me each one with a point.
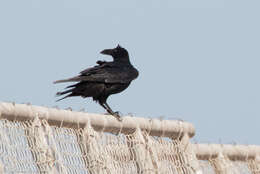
(59, 81)
(56, 81)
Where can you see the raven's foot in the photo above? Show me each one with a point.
(110, 111)
(117, 115)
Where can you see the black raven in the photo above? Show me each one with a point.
(104, 79)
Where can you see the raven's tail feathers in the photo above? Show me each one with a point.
(64, 92)
(63, 97)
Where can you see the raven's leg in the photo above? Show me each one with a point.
(116, 114)
(104, 106)
(109, 110)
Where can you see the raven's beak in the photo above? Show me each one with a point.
(107, 52)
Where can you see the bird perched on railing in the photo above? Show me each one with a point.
(104, 79)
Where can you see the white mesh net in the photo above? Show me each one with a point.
(34, 146)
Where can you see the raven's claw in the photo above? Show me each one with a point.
(117, 115)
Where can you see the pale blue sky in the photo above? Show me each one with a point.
(198, 59)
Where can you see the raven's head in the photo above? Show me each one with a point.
(117, 53)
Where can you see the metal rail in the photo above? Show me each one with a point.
(66, 118)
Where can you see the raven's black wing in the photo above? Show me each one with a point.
(108, 72)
